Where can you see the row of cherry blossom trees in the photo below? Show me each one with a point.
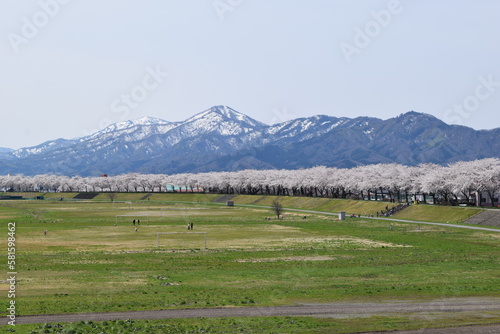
(457, 182)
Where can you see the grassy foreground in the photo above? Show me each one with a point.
(87, 264)
(284, 325)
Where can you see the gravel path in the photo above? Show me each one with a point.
(331, 310)
(491, 329)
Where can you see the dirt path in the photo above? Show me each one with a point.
(491, 329)
(332, 310)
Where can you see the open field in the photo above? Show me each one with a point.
(421, 212)
(87, 264)
(431, 213)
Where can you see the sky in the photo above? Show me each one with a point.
(69, 68)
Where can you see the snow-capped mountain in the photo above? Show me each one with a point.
(304, 128)
(221, 138)
(143, 122)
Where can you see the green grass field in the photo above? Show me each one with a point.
(431, 213)
(440, 214)
(87, 264)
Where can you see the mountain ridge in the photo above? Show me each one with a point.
(221, 138)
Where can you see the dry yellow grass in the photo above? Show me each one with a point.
(125, 238)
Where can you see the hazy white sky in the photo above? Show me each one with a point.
(70, 67)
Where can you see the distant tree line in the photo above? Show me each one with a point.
(457, 182)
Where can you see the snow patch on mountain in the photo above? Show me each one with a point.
(42, 148)
(221, 138)
(120, 126)
(224, 114)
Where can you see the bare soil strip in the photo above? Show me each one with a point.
(333, 310)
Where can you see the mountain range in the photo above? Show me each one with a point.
(222, 139)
